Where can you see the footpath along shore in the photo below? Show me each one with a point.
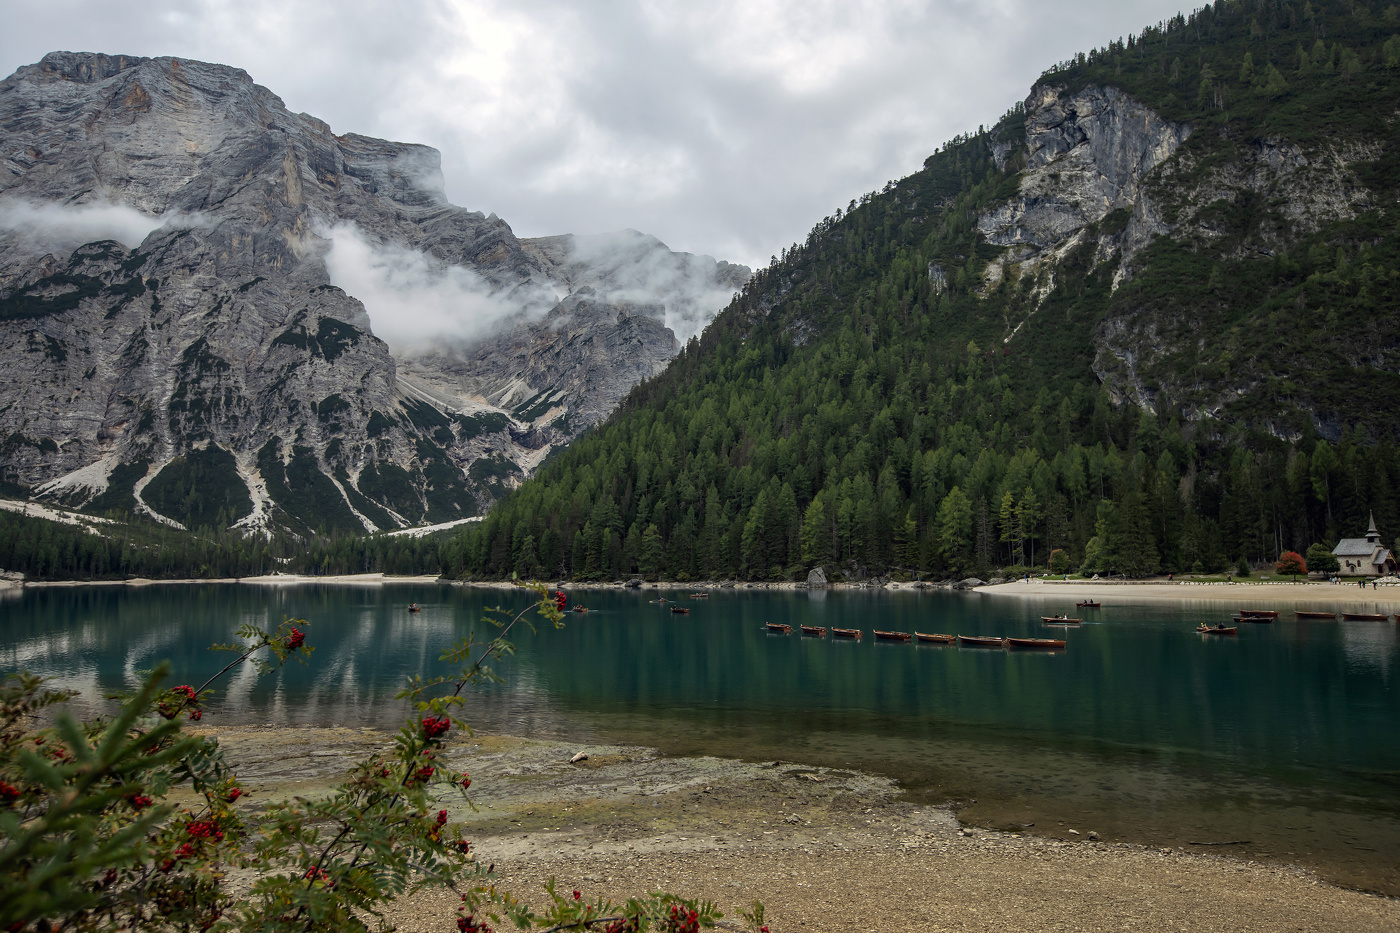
(824, 849)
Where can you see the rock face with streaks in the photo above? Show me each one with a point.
(1100, 171)
(174, 341)
(1085, 155)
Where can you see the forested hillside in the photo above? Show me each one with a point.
(900, 394)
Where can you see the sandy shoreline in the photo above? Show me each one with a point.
(824, 849)
(1271, 594)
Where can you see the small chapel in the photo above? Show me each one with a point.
(1365, 557)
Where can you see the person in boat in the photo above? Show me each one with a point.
(1220, 625)
(412, 607)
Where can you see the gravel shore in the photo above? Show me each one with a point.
(824, 849)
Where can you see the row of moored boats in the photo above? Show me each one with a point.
(936, 638)
(1267, 616)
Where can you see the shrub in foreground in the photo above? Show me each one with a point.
(92, 837)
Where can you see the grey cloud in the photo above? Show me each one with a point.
(634, 268)
(414, 301)
(724, 128)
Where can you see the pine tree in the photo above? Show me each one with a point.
(955, 530)
(653, 552)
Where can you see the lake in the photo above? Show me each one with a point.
(1281, 742)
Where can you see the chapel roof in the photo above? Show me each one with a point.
(1354, 547)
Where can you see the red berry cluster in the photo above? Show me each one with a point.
(185, 851)
(296, 639)
(139, 802)
(433, 727)
(422, 775)
(682, 920)
(466, 781)
(8, 792)
(204, 829)
(316, 874)
(179, 698)
(469, 924)
(234, 795)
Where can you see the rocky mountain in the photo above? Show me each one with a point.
(194, 284)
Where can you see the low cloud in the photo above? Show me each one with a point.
(628, 266)
(415, 301)
(60, 228)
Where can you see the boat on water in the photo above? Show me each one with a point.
(1309, 614)
(1219, 629)
(1260, 613)
(1259, 620)
(893, 636)
(935, 638)
(1045, 644)
(699, 595)
(1088, 604)
(1061, 620)
(813, 630)
(1366, 617)
(846, 632)
(779, 627)
(680, 610)
(579, 609)
(981, 641)
(413, 607)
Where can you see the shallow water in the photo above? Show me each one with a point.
(1284, 738)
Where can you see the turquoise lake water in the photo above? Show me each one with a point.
(1284, 741)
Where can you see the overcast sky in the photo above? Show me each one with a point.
(726, 128)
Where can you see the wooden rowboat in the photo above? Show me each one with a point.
(1260, 613)
(1061, 620)
(846, 632)
(779, 627)
(1088, 604)
(893, 636)
(935, 638)
(1307, 614)
(1218, 630)
(1260, 620)
(1048, 644)
(679, 609)
(1365, 617)
(813, 630)
(979, 641)
(699, 595)
(579, 609)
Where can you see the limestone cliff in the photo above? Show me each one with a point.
(1101, 171)
(168, 320)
